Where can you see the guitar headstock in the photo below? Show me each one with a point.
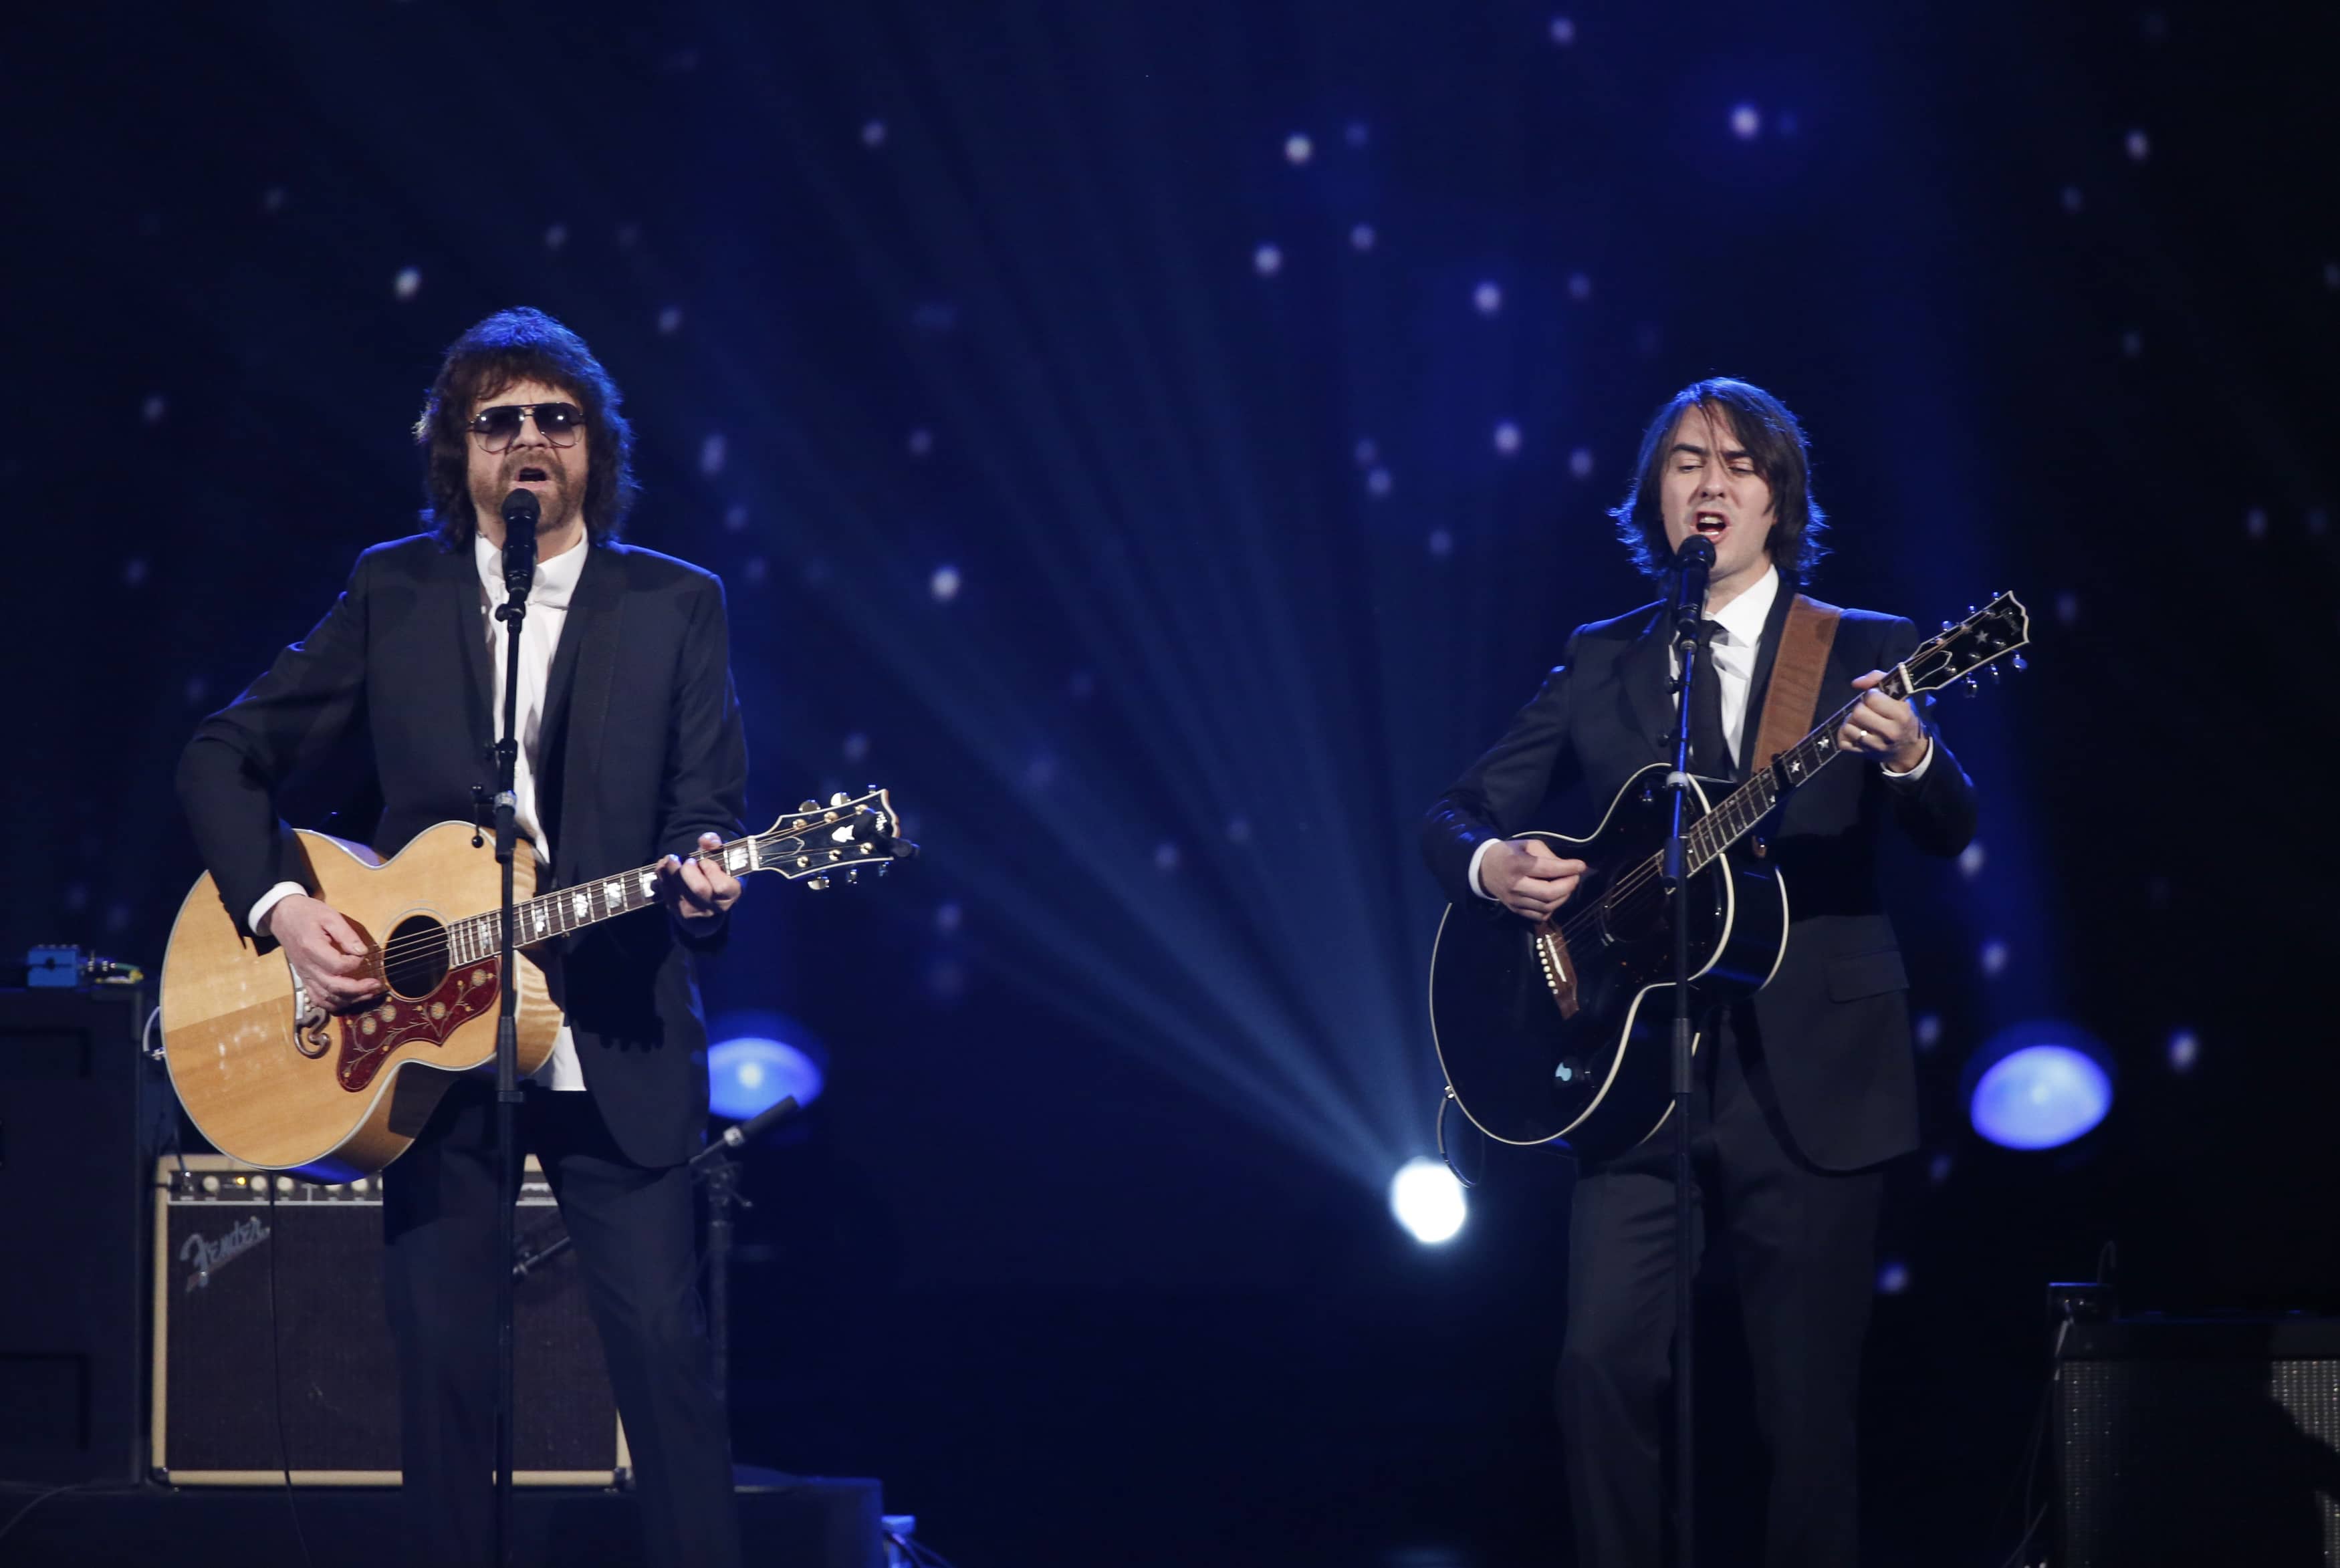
(1994, 632)
(848, 835)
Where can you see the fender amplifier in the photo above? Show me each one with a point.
(219, 1228)
(2189, 1442)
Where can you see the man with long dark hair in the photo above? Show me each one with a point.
(1805, 1091)
(631, 752)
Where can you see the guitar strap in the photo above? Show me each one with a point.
(1793, 699)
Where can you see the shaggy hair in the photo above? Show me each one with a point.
(1773, 440)
(506, 348)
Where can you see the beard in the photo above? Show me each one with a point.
(560, 497)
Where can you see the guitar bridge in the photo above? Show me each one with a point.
(311, 1036)
(1559, 969)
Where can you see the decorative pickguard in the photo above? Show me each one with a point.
(368, 1038)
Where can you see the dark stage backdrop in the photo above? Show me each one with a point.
(1163, 443)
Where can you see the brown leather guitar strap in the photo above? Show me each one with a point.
(1793, 700)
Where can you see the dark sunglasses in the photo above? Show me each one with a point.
(498, 427)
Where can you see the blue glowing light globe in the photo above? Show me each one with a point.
(747, 1074)
(2039, 1087)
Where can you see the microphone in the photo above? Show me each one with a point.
(1692, 562)
(519, 513)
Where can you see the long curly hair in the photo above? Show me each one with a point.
(506, 348)
(1773, 439)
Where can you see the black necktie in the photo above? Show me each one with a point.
(1710, 753)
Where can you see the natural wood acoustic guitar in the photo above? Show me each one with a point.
(275, 1081)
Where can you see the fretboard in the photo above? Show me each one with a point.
(1748, 804)
(568, 909)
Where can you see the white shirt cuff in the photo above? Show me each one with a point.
(267, 901)
(1923, 764)
(1476, 856)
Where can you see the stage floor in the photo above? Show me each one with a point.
(804, 1522)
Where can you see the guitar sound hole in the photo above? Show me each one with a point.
(414, 959)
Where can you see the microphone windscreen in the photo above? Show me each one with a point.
(1696, 551)
(519, 511)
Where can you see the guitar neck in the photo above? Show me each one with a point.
(1751, 802)
(570, 909)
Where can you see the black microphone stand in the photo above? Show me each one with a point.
(712, 1166)
(1692, 562)
(519, 517)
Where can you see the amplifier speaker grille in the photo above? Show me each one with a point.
(215, 1416)
(2183, 1442)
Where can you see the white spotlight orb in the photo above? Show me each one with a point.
(1298, 148)
(1747, 122)
(1267, 261)
(1441, 544)
(1507, 437)
(1972, 860)
(1427, 1201)
(1563, 31)
(1580, 462)
(406, 284)
(1994, 958)
(712, 453)
(1361, 238)
(2185, 1051)
(2139, 145)
(1580, 287)
(944, 585)
(1488, 297)
(1377, 483)
(873, 134)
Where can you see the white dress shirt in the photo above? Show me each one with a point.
(540, 634)
(1732, 648)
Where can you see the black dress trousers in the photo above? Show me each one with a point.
(634, 1228)
(1804, 1241)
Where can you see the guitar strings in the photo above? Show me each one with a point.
(1647, 875)
(441, 940)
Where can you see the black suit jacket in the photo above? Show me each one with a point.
(1834, 1022)
(643, 751)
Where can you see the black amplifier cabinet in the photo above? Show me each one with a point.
(77, 1106)
(2199, 1442)
(217, 1234)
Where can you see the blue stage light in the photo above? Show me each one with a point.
(747, 1074)
(1427, 1201)
(2039, 1086)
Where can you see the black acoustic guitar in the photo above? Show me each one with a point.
(1558, 1028)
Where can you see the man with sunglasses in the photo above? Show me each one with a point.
(631, 752)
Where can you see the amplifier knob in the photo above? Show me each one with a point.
(211, 1184)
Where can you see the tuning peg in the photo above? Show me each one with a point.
(2019, 664)
(1994, 674)
(809, 806)
(818, 885)
(884, 866)
(853, 876)
(1946, 626)
(1973, 685)
(1970, 610)
(839, 798)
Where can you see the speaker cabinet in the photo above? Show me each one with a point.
(2184, 1441)
(78, 1102)
(222, 1228)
